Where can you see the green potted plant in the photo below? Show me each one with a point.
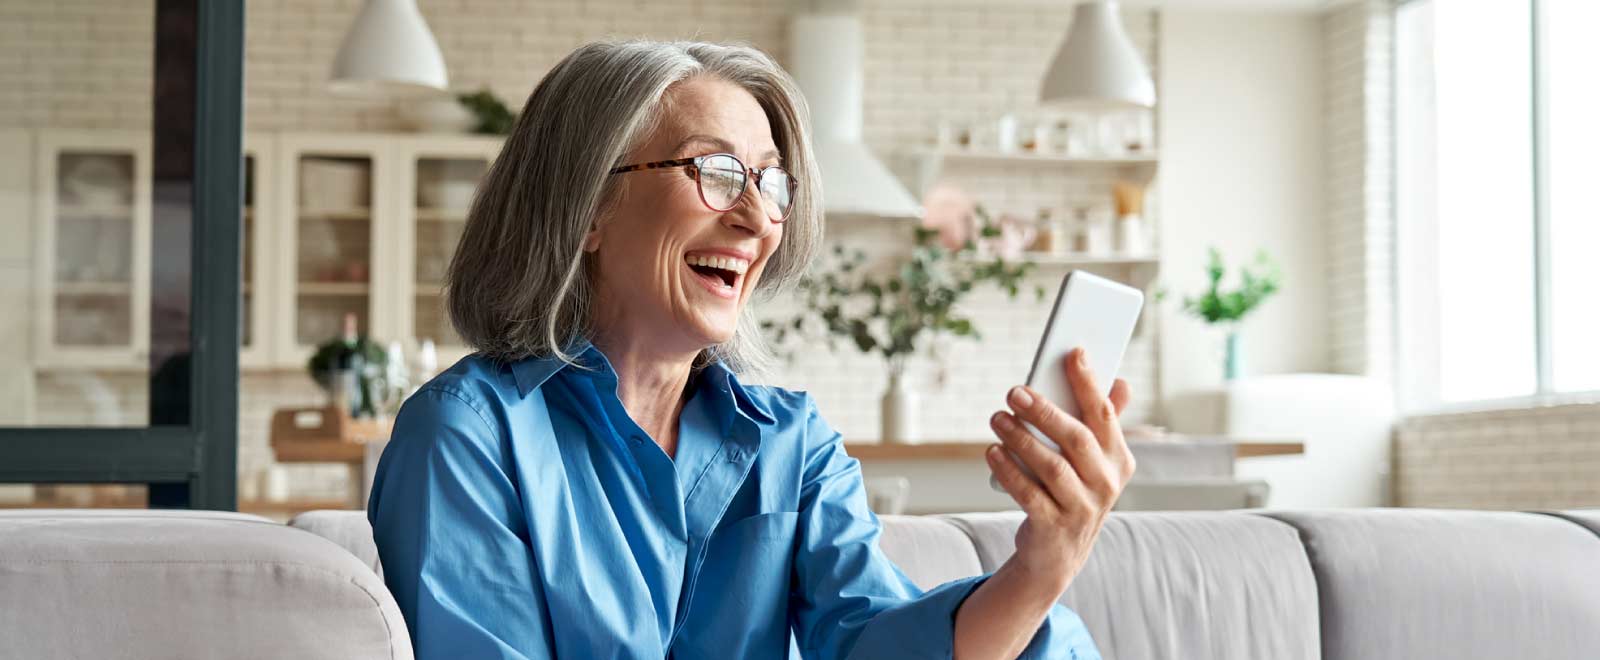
(1226, 308)
(347, 367)
(895, 315)
(492, 115)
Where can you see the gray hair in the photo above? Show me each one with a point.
(517, 286)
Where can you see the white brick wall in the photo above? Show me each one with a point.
(86, 63)
(1357, 47)
(1534, 458)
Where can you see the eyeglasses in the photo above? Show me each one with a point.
(722, 177)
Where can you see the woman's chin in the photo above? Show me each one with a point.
(715, 331)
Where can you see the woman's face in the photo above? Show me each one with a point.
(650, 249)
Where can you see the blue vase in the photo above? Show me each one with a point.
(1231, 357)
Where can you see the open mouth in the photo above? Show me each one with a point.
(719, 273)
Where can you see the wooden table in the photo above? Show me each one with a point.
(952, 476)
(327, 435)
(945, 450)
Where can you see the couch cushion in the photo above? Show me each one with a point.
(1452, 584)
(931, 551)
(178, 584)
(349, 529)
(1183, 585)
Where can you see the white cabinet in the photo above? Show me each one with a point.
(337, 215)
(367, 225)
(92, 249)
(438, 175)
(331, 223)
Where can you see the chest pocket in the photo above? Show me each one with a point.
(775, 526)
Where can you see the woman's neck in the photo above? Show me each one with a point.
(650, 385)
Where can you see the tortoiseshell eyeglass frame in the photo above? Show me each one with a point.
(694, 162)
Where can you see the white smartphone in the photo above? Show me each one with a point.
(1092, 312)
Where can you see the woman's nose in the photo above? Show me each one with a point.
(750, 214)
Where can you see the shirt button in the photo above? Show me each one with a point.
(735, 456)
(635, 439)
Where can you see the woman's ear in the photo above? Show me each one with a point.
(591, 241)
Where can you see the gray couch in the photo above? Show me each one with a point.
(1228, 585)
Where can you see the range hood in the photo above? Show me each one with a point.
(825, 56)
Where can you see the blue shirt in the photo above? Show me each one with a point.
(519, 512)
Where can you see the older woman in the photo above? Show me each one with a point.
(595, 482)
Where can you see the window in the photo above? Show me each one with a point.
(1498, 238)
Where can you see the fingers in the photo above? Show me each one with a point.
(1078, 444)
(1057, 475)
(1121, 394)
(1027, 493)
(1094, 409)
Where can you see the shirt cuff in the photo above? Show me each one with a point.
(925, 628)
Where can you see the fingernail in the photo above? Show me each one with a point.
(1020, 397)
(993, 453)
(1083, 357)
(1004, 422)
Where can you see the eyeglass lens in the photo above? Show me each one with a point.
(722, 180)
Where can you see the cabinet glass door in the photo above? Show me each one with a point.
(94, 249)
(332, 265)
(444, 189)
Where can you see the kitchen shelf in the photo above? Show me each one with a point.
(1138, 160)
(353, 214)
(93, 288)
(118, 212)
(441, 215)
(1139, 168)
(1082, 259)
(334, 288)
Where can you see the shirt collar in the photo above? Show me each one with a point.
(531, 372)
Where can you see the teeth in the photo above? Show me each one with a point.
(721, 263)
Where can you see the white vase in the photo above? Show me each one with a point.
(1130, 235)
(899, 412)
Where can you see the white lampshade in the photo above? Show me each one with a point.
(389, 48)
(1097, 66)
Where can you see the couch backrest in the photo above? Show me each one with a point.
(1335, 584)
(1409, 583)
(1227, 585)
(185, 584)
(1218, 585)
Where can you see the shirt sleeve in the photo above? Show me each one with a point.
(851, 601)
(452, 537)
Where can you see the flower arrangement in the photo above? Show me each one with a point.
(894, 315)
(1216, 305)
(1225, 308)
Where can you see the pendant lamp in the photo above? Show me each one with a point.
(1097, 66)
(389, 48)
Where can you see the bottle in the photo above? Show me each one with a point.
(427, 362)
(1098, 232)
(396, 384)
(350, 372)
(1006, 134)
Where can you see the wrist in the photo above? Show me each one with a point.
(1032, 583)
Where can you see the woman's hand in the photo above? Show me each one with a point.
(1076, 487)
